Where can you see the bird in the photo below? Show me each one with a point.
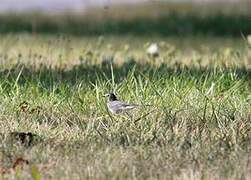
(116, 106)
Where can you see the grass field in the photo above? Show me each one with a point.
(52, 86)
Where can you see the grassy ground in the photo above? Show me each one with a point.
(198, 127)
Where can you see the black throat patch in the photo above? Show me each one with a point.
(112, 97)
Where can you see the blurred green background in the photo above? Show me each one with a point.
(148, 18)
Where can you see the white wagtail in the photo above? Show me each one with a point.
(116, 106)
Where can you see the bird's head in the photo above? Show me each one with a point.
(111, 96)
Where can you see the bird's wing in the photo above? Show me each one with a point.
(127, 105)
(122, 105)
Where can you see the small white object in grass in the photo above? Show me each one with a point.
(249, 39)
(153, 50)
(210, 90)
